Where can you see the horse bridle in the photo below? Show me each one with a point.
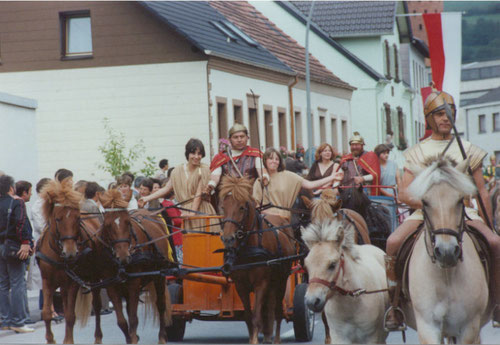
(111, 244)
(240, 233)
(443, 231)
(332, 285)
(60, 239)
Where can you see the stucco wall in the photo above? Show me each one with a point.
(163, 104)
(234, 87)
(18, 156)
(489, 140)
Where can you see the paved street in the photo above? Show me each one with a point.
(197, 332)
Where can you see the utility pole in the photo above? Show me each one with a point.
(308, 83)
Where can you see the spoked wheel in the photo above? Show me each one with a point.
(303, 317)
(175, 332)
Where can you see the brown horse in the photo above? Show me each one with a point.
(138, 243)
(56, 249)
(244, 243)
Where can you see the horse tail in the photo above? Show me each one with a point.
(83, 307)
(150, 299)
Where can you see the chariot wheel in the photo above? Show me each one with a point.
(175, 332)
(303, 317)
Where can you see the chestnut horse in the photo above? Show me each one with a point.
(446, 281)
(57, 249)
(137, 243)
(245, 243)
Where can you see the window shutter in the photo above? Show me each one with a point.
(387, 56)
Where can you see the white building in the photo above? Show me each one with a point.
(162, 72)
(364, 43)
(18, 158)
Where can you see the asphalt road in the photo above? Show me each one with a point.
(197, 332)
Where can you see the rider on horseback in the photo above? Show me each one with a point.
(359, 166)
(438, 121)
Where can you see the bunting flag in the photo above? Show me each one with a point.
(444, 34)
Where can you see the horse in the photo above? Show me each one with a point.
(246, 241)
(137, 242)
(447, 284)
(347, 281)
(56, 250)
(377, 217)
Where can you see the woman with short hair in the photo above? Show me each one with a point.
(187, 181)
(389, 174)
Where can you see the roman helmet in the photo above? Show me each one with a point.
(356, 139)
(434, 103)
(237, 127)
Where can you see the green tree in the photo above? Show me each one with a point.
(117, 157)
(149, 166)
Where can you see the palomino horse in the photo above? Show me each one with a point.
(347, 281)
(325, 208)
(246, 243)
(57, 249)
(446, 281)
(138, 243)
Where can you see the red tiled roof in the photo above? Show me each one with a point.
(267, 34)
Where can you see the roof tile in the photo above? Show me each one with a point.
(262, 30)
(351, 18)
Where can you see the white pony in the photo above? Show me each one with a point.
(447, 283)
(340, 272)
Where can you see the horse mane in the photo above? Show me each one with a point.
(324, 207)
(113, 199)
(240, 188)
(440, 170)
(331, 230)
(55, 192)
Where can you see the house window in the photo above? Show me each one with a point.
(254, 127)
(237, 113)
(298, 129)
(221, 118)
(76, 34)
(282, 129)
(322, 129)
(387, 56)
(388, 123)
(482, 124)
(334, 133)
(401, 127)
(396, 63)
(420, 27)
(496, 122)
(268, 118)
(344, 136)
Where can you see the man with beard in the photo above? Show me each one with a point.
(360, 166)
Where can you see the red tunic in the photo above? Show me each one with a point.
(222, 159)
(369, 162)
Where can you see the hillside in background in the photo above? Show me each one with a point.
(480, 29)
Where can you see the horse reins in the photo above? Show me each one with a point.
(333, 286)
(433, 232)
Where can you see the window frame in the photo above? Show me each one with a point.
(481, 121)
(495, 122)
(64, 18)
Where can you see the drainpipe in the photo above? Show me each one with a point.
(292, 114)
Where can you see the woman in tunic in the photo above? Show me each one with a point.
(323, 165)
(284, 186)
(187, 181)
(389, 174)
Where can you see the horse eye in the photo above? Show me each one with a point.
(242, 208)
(332, 265)
(425, 203)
